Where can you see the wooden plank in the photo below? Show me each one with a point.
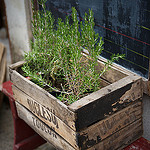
(44, 98)
(107, 100)
(3, 64)
(112, 75)
(46, 115)
(107, 127)
(146, 85)
(16, 65)
(43, 130)
(2, 47)
(122, 138)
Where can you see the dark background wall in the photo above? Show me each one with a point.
(123, 24)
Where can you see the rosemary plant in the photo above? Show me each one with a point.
(56, 62)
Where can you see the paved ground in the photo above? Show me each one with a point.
(146, 117)
(6, 129)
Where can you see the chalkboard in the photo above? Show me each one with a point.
(123, 24)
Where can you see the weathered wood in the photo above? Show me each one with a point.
(1, 50)
(47, 133)
(91, 135)
(107, 101)
(3, 64)
(46, 115)
(146, 85)
(117, 140)
(44, 98)
(146, 82)
(111, 98)
(90, 120)
(111, 75)
(109, 126)
(16, 65)
(122, 138)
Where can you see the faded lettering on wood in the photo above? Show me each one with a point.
(122, 138)
(46, 115)
(117, 140)
(103, 129)
(38, 124)
(101, 103)
(43, 97)
(92, 134)
(47, 133)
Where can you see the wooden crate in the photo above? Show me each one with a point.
(108, 118)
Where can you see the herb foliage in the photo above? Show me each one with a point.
(56, 61)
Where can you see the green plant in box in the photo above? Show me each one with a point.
(56, 61)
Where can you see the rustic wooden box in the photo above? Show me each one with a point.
(110, 118)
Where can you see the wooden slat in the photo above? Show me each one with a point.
(43, 130)
(16, 65)
(109, 126)
(3, 64)
(118, 140)
(107, 100)
(44, 98)
(1, 50)
(112, 75)
(46, 115)
(122, 138)
(134, 86)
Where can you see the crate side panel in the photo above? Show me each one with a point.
(43, 130)
(107, 101)
(107, 127)
(44, 98)
(122, 138)
(112, 75)
(46, 115)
